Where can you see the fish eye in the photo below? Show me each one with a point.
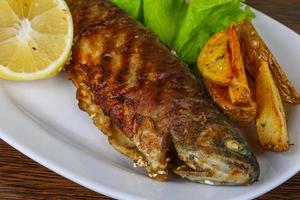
(232, 145)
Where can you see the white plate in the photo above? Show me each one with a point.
(41, 119)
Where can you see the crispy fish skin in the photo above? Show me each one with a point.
(146, 100)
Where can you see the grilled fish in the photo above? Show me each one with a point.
(148, 103)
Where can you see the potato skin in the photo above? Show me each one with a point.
(239, 91)
(270, 121)
(272, 89)
(221, 65)
(256, 50)
(240, 115)
(266, 95)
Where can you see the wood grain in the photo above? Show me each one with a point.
(22, 178)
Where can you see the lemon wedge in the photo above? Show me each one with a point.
(35, 38)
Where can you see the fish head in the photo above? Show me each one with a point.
(216, 155)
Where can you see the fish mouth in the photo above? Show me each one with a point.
(217, 170)
(229, 162)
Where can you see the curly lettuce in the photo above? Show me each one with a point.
(186, 25)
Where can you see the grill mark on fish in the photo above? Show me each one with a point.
(117, 59)
(106, 59)
(122, 50)
(115, 103)
(146, 80)
(145, 53)
(126, 52)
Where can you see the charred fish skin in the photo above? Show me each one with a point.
(145, 99)
(114, 82)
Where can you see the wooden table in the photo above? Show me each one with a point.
(22, 178)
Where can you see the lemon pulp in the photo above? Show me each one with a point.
(35, 38)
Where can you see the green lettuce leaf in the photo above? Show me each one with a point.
(132, 7)
(204, 18)
(164, 17)
(186, 25)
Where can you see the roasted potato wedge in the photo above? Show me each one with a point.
(241, 115)
(221, 65)
(213, 62)
(270, 121)
(239, 91)
(255, 51)
(270, 90)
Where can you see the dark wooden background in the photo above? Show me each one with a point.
(22, 178)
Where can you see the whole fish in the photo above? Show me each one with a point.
(148, 103)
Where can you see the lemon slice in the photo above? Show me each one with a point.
(35, 38)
